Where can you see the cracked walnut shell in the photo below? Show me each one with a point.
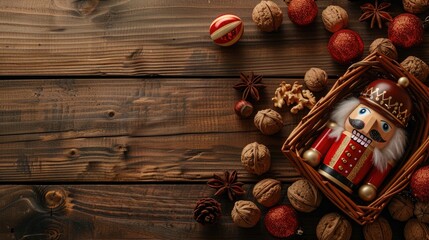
(335, 18)
(333, 226)
(256, 158)
(267, 15)
(378, 230)
(245, 214)
(304, 196)
(267, 192)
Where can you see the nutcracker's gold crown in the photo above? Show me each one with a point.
(389, 98)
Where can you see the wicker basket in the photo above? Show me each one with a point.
(351, 83)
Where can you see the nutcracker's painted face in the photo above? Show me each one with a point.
(367, 121)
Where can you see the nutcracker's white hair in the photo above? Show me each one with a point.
(391, 152)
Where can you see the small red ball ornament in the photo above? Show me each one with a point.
(302, 12)
(406, 30)
(345, 46)
(420, 184)
(281, 221)
(226, 30)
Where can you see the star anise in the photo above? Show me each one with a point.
(227, 184)
(375, 13)
(250, 84)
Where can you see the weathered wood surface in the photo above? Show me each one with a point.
(130, 130)
(157, 130)
(169, 37)
(131, 212)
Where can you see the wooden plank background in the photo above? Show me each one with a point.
(123, 109)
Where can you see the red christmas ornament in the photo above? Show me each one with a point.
(406, 30)
(226, 30)
(302, 12)
(420, 184)
(281, 221)
(345, 46)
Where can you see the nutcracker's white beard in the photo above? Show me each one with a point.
(380, 157)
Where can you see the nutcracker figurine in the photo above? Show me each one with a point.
(365, 138)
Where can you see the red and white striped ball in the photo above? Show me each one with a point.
(226, 30)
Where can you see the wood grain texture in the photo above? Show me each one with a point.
(130, 130)
(144, 211)
(168, 37)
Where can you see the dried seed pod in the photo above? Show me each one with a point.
(421, 211)
(304, 196)
(267, 15)
(415, 230)
(268, 121)
(335, 18)
(384, 46)
(378, 230)
(333, 226)
(267, 192)
(245, 214)
(256, 158)
(417, 67)
(401, 208)
(316, 79)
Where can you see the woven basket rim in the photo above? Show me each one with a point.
(315, 120)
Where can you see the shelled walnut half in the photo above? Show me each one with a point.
(293, 94)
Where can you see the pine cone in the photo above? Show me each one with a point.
(207, 211)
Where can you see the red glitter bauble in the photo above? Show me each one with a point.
(345, 46)
(420, 184)
(302, 12)
(281, 221)
(406, 30)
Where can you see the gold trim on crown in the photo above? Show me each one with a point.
(394, 109)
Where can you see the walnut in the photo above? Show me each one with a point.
(304, 196)
(267, 16)
(335, 18)
(384, 46)
(333, 226)
(256, 158)
(401, 208)
(293, 94)
(421, 211)
(415, 6)
(267, 192)
(417, 67)
(268, 121)
(316, 79)
(378, 230)
(245, 214)
(415, 230)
